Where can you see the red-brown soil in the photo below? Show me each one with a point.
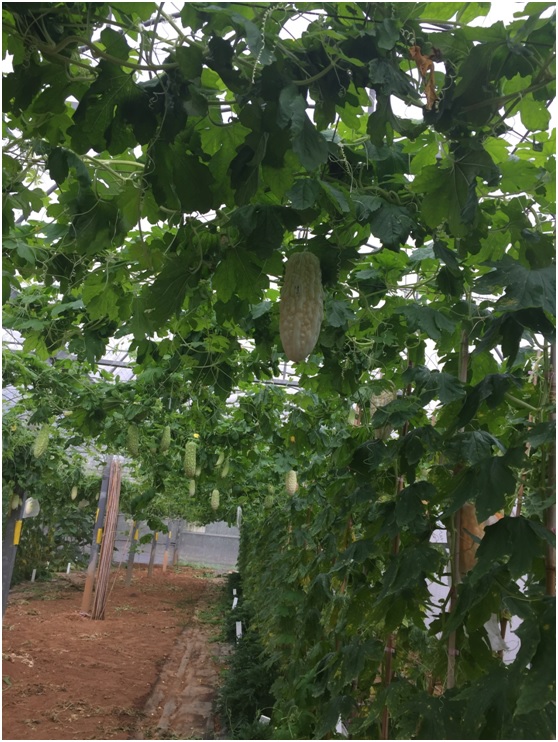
(149, 670)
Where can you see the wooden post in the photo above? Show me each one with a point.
(97, 537)
(455, 540)
(152, 554)
(10, 543)
(167, 546)
(176, 552)
(131, 552)
(107, 545)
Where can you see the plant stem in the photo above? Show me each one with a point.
(520, 403)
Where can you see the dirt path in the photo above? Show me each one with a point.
(182, 701)
(150, 670)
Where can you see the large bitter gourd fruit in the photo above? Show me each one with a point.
(301, 307)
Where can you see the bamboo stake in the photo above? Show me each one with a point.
(107, 545)
(155, 538)
(96, 542)
(455, 542)
(167, 545)
(176, 552)
(131, 553)
(390, 645)
(550, 512)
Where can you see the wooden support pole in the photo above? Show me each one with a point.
(455, 540)
(96, 541)
(152, 554)
(550, 512)
(133, 540)
(167, 546)
(107, 544)
(176, 552)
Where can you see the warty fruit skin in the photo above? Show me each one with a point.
(215, 500)
(301, 307)
(190, 459)
(41, 442)
(291, 484)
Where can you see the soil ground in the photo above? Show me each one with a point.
(149, 670)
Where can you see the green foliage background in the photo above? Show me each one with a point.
(157, 172)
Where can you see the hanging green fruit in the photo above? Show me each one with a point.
(190, 459)
(165, 439)
(133, 440)
(290, 482)
(41, 442)
(301, 307)
(215, 500)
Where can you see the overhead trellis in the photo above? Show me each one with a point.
(159, 171)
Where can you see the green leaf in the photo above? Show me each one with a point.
(310, 146)
(534, 117)
(524, 287)
(410, 566)
(431, 321)
(448, 190)
(304, 193)
(237, 275)
(491, 389)
(143, 11)
(366, 205)
(410, 512)
(540, 687)
(391, 224)
(432, 384)
(542, 434)
(96, 110)
(486, 483)
(190, 61)
(338, 313)
(512, 541)
(471, 447)
(115, 43)
(193, 183)
(336, 196)
(387, 33)
(100, 299)
(166, 296)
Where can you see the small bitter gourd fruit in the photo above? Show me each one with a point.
(190, 459)
(165, 439)
(301, 307)
(41, 442)
(290, 482)
(215, 500)
(74, 492)
(192, 487)
(133, 440)
(225, 469)
(268, 502)
(220, 460)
